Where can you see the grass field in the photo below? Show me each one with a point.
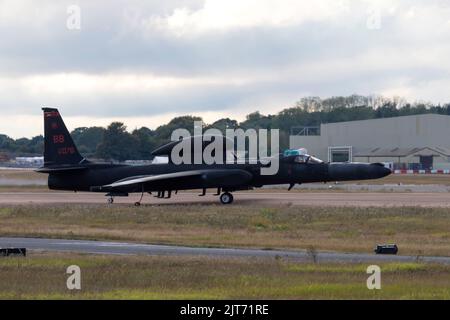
(22, 181)
(41, 276)
(22, 174)
(417, 231)
(27, 188)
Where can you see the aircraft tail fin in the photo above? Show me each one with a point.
(59, 148)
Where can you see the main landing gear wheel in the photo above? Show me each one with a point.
(226, 198)
(137, 204)
(111, 200)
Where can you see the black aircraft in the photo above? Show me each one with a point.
(68, 170)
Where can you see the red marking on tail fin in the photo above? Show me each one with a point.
(58, 138)
(51, 114)
(66, 151)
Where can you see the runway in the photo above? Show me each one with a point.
(120, 248)
(332, 198)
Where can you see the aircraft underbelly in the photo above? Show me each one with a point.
(314, 173)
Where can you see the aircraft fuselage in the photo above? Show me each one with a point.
(96, 175)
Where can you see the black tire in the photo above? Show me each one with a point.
(137, 204)
(110, 200)
(226, 198)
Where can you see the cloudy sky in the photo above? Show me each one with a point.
(144, 62)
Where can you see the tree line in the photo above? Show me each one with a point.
(116, 143)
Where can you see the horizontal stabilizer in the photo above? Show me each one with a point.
(61, 169)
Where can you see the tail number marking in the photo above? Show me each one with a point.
(66, 151)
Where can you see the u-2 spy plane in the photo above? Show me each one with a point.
(69, 171)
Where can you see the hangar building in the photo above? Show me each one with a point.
(419, 142)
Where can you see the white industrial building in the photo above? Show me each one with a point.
(30, 161)
(419, 142)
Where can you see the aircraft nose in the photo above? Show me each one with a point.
(357, 171)
(378, 170)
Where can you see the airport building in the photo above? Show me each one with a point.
(419, 142)
(30, 161)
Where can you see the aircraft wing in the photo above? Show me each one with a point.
(233, 177)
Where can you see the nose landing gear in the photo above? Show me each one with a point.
(111, 196)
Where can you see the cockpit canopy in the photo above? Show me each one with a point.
(300, 156)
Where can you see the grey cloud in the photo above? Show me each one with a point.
(114, 40)
(106, 43)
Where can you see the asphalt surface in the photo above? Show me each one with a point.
(360, 199)
(120, 248)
